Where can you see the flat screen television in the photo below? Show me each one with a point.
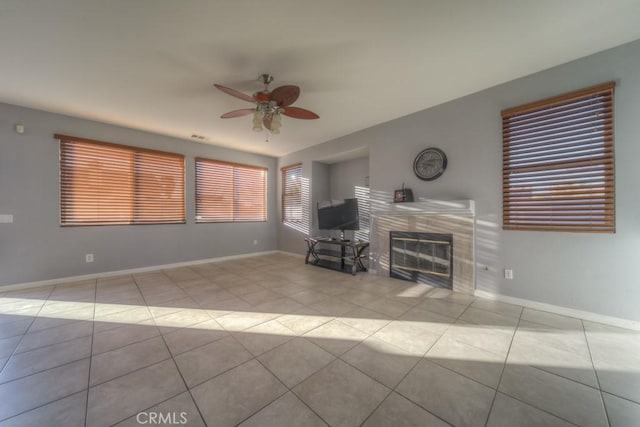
(338, 215)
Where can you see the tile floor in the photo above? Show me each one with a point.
(268, 341)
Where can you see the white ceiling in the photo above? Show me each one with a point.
(151, 64)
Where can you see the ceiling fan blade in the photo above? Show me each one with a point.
(235, 93)
(300, 113)
(267, 122)
(285, 95)
(238, 113)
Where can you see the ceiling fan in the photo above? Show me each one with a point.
(270, 105)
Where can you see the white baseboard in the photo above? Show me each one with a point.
(60, 280)
(564, 311)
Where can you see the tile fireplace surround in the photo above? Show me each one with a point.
(456, 217)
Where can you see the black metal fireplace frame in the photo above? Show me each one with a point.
(417, 276)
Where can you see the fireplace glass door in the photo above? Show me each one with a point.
(422, 257)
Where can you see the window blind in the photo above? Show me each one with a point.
(292, 193)
(109, 184)
(558, 163)
(230, 192)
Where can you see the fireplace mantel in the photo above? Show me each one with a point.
(426, 207)
(456, 217)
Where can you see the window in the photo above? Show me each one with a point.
(558, 165)
(364, 210)
(292, 193)
(109, 184)
(230, 192)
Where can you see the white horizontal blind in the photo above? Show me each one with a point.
(292, 193)
(109, 184)
(230, 192)
(558, 163)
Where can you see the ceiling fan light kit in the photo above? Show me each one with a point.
(270, 105)
(257, 120)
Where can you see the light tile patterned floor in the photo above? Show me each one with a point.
(268, 341)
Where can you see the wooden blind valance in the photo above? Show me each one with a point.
(558, 163)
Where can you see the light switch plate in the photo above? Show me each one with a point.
(6, 219)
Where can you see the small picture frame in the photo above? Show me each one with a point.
(402, 196)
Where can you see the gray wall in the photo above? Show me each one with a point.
(320, 190)
(36, 248)
(290, 239)
(593, 272)
(345, 176)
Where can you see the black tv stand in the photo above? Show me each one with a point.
(335, 254)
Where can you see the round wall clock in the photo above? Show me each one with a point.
(430, 164)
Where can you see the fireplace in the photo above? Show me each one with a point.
(432, 217)
(422, 257)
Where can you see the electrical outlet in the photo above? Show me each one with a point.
(508, 274)
(255, 242)
(6, 219)
(88, 258)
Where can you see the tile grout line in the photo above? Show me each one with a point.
(155, 404)
(46, 369)
(56, 343)
(420, 358)
(297, 396)
(597, 388)
(126, 345)
(58, 313)
(133, 371)
(192, 348)
(571, 352)
(273, 374)
(622, 397)
(93, 326)
(172, 358)
(44, 404)
(517, 398)
(230, 334)
(25, 332)
(504, 367)
(391, 390)
(64, 364)
(164, 360)
(288, 390)
(586, 338)
(255, 357)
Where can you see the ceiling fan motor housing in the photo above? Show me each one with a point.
(262, 96)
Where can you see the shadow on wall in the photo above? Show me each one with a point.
(378, 200)
(487, 250)
(299, 217)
